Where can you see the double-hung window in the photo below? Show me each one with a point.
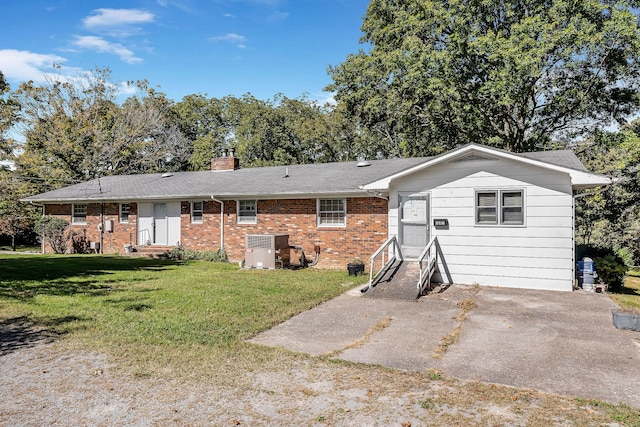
(332, 213)
(197, 209)
(504, 207)
(125, 208)
(79, 214)
(247, 212)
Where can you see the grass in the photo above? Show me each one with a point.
(629, 296)
(157, 313)
(189, 321)
(21, 248)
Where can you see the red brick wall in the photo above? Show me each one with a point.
(365, 231)
(113, 242)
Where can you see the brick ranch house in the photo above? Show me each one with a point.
(501, 218)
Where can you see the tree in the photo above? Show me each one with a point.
(75, 130)
(16, 219)
(513, 74)
(8, 112)
(612, 217)
(203, 122)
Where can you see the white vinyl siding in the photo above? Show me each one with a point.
(197, 209)
(538, 255)
(79, 215)
(125, 209)
(247, 211)
(332, 212)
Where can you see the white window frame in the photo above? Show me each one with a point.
(78, 219)
(342, 212)
(243, 216)
(124, 215)
(499, 207)
(200, 210)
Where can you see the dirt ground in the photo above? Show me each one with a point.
(49, 384)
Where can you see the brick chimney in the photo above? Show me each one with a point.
(226, 162)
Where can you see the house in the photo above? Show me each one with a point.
(500, 218)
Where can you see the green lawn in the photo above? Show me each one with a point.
(629, 295)
(158, 313)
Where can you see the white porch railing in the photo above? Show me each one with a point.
(396, 253)
(427, 261)
(143, 238)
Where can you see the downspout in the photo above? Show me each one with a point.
(221, 220)
(101, 227)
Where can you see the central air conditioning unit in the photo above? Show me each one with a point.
(266, 250)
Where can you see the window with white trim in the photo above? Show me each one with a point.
(504, 207)
(247, 212)
(79, 215)
(197, 209)
(332, 213)
(125, 208)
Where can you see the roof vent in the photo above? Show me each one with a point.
(166, 175)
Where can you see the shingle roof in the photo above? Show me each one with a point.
(344, 178)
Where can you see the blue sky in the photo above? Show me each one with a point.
(213, 47)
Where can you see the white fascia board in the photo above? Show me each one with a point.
(582, 179)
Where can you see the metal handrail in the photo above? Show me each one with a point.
(143, 233)
(396, 254)
(431, 254)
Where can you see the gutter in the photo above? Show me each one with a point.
(221, 220)
(597, 190)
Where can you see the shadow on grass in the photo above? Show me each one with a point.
(23, 277)
(22, 332)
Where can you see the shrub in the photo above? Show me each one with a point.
(181, 253)
(53, 230)
(609, 265)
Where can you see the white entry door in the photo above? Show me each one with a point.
(414, 224)
(160, 224)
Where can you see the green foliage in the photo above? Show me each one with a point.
(609, 265)
(183, 254)
(52, 230)
(16, 219)
(514, 74)
(8, 115)
(612, 217)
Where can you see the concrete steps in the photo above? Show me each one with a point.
(157, 252)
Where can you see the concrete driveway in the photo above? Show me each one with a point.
(557, 342)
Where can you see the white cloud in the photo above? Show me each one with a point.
(100, 45)
(232, 38)
(120, 22)
(23, 65)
